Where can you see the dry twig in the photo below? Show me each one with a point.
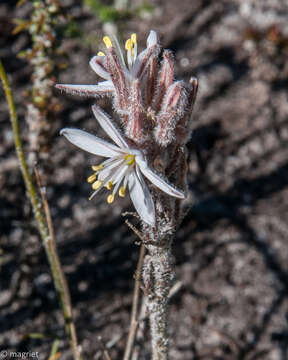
(43, 220)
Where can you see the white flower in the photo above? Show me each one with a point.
(114, 63)
(124, 167)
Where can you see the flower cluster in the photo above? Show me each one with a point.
(154, 112)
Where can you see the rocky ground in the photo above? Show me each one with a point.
(231, 251)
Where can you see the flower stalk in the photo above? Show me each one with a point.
(158, 275)
(134, 321)
(149, 157)
(43, 220)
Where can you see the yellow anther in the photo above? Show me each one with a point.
(92, 178)
(122, 191)
(109, 185)
(134, 38)
(107, 41)
(96, 185)
(97, 167)
(130, 159)
(110, 198)
(100, 53)
(128, 45)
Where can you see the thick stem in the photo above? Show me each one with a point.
(157, 276)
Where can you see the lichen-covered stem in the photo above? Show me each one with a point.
(41, 105)
(158, 274)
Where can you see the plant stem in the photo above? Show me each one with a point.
(58, 274)
(43, 220)
(158, 275)
(134, 320)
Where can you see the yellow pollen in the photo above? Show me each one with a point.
(110, 198)
(130, 159)
(122, 191)
(92, 178)
(128, 45)
(96, 185)
(97, 167)
(100, 53)
(107, 41)
(134, 38)
(109, 185)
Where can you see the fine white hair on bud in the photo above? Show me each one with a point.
(135, 124)
(165, 78)
(172, 110)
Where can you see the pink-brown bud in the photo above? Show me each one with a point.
(183, 128)
(118, 76)
(166, 77)
(173, 109)
(143, 60)
(151, 81)
(135, 125)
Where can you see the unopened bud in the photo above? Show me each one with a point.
(173, 109)
(166, 77)
(134, 128)
(183, 128)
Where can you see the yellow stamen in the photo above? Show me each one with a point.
(92, 178)
(96, 185)
(107, 41)
(110, 198)
(109, 185)
(97, 167)
(134, 38)
(122, 191)
(100, 53)
(128, 45)
(130, 159)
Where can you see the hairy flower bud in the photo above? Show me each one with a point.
(183, 128)
(150, 83)
(119, 80)
(166, 78)
(135, 125)
(172, 111)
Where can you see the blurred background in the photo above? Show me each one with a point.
(231, 251)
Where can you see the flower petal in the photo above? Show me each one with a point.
(143, 60)
(152, 38)
(108, 126)
(97, 64)
(110, 170)
(158, 181)
(120, 173)
(141, 197)
(90, 143)
(102, 88)
(118, 49)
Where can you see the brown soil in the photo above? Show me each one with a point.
(231, 251)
